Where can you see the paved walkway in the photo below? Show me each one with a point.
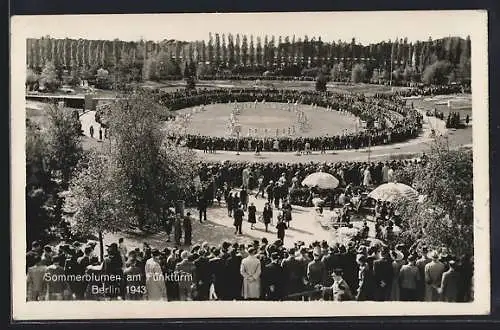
(306, 226)
(88, 119)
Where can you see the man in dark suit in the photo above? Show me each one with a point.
(244, 198)
(202, 275)
(383, 273)
(82, 263)
(188, 229)
(234, 280)
(238, 219)
(450, 283)
(202, 207)
(112, 266)
(270, 191)
(217, 272)
(273, 279)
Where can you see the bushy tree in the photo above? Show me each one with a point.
(445, 217)
(92, 195)
(204, 69)
(103, 79)
(31, 79)
(437, 73)
(143, 167)
(63, 143)
(358, 73)
(48, 78)
(321, 81)
(337, 72)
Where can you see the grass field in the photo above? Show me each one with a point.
(461, 103)
(214, 120)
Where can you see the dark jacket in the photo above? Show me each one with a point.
(234, 280)
(252, 210)
(238, 216)
(267, 214)
(450, 284)
(273, 281)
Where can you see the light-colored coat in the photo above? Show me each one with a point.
(250, 270)
(155, 282)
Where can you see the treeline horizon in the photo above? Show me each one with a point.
(399, 61)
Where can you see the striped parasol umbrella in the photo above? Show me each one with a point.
(389, 192)
(321, 180)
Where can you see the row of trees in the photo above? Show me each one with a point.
(242, 54)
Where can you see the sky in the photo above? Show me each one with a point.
(366, 27)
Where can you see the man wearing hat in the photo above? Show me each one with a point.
(421, 263)
(233, 275)
(82, 263)
(267, 215)
(112, 266)
(330, 260)
(293, 273)
(366, 286)
(450, 283)
(217, 272)
(203, 275)
(339, 290)
(397, 263)
(383, 274)
(134, 283)
(273, 279)
(33, 255)
(433, 274)
(270, 191)
(238, 219)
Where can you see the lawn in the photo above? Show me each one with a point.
(214, 119)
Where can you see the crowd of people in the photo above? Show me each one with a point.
(362, 268)
(259, 270)
(453, 120)
(434, 90)
(259, 175)
(395, 121)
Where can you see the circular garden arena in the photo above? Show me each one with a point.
(268, 120)
(286, 120)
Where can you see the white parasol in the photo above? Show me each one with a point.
(389, 192)
(321, 180)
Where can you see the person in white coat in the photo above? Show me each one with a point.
(367, 177)
(390, 175)
(250, 270)
(155, 280)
